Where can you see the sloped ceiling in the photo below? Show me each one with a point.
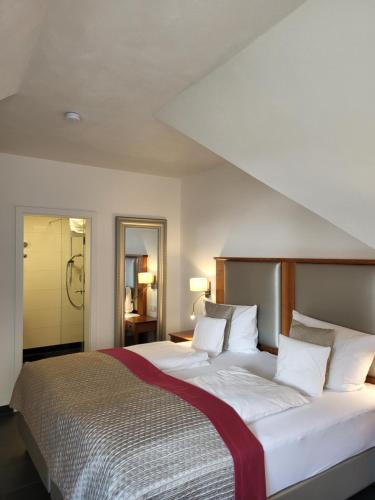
(296, 110)
(20, 23)
(116, 62)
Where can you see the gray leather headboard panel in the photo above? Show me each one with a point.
(249, 283)
(340, 294)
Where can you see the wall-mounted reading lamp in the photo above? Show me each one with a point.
(199, 285)
(147, 278)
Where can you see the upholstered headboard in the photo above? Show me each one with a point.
(343, 294)
(248, 283)
(340, 294)
(337, 291)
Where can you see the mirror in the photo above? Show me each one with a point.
(140, 283)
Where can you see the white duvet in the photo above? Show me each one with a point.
(168, 355)
(252, 397)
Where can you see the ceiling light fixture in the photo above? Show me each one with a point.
(72, 116)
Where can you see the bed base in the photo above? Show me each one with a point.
(33, 451)
(337, 483)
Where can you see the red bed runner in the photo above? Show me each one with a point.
(246, 450)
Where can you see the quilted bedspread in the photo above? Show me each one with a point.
(107, 434)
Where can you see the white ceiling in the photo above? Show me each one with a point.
(116, 62)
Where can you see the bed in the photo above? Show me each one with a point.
(344, 462)
(290, 438)
(339, 291)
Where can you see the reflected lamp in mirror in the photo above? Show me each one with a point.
(146, 278)
(199, 285)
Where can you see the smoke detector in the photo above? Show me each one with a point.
(72, 116)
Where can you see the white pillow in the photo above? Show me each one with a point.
(209, 335)
(243, 335)
(353, 353)
(302, 365)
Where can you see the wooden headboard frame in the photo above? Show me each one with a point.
(288, 273)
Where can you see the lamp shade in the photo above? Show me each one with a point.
(145, 278)
(199, 284)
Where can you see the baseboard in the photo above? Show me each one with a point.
(36, 353)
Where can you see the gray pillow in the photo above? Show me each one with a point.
(318, 336)
(221, 311)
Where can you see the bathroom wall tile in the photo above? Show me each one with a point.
(47, 310)
(72, 333)
(41, 280)
(41, 337)
(50, 242)
(77, 244)
(69, 314)
(38, 299)
(42, 224)
(42, 318)
(65, 238)
(45, 260)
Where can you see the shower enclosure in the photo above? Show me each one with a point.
(54, 286)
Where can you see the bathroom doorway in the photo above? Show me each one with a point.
(55, 276)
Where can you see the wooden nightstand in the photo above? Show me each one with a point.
(181, 336)
(140, 324)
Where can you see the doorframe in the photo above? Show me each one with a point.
(90, 331)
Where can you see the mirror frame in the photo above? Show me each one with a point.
(122, 223)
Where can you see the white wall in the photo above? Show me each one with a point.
(42, 183)
(225, 212)
(296, 110)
